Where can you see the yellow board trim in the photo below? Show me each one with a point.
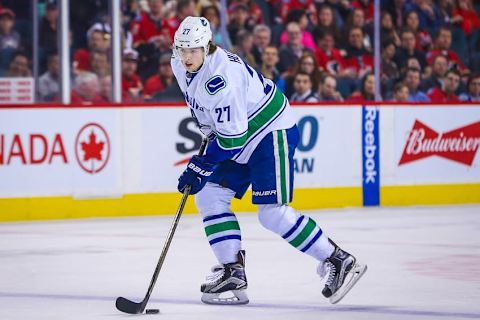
(429, 194)
(51, 208)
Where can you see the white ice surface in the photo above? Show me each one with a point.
(424, 263)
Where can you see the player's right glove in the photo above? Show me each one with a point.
(196, 175)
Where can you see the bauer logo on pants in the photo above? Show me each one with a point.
(92, 148)
(459, 145)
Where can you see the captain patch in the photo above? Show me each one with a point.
(215, 84)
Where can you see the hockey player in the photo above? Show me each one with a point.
(253, 137)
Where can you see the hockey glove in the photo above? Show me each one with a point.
(196, 175)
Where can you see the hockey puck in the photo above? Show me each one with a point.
(152, 311)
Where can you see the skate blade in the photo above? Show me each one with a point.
(239, 297)
(355, 274)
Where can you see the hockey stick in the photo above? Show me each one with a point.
(132, 307)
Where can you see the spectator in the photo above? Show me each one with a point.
(396, 8)
(105, 93)
(48, 28)
(293, 49)
(152, 27)
(98, 41)
(327, 22)
(239, 20)
(423, 40)
(85, 89)
(306, 64)
(465, 15)
(438, 73)
(412, 81)
(446, 94)
(387, 29)
(443, 42)
(262, 36)
(473, 89)
(19, 66)
(244, 46)
(269, 62)
(330, 59)
(254, 12)
(83, 14)
(303, 89)
(400, 92)
(212, 14)
(328, 89)
(367, 8)
(48, 83)
(430, 17)
(366, 92)
(408, 50)
(389, 70)
(185, 8)
(131, 84)
(162, 80)
(356, 19)
(9, 38)
(358, 58)
(413, 63)
(300, 16)
(100, 64)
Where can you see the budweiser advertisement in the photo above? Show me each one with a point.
(430, 145)
(459, 144)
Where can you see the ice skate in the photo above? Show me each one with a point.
(227, 284)
(343, 272)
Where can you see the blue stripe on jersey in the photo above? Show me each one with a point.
(319, 233)
(218, 216)
(295, 227)
(220, 239)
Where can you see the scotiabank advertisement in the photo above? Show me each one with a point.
(328, 153)
(59, 152)
(432, 145)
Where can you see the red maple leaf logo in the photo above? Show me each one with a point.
(92, 149)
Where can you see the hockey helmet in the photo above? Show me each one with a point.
(193, 32)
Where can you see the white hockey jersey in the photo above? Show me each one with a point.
(236, 102)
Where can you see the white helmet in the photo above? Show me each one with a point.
(193, 32)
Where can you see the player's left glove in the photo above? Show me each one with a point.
(196, 175)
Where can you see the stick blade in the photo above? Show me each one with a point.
(129, 306)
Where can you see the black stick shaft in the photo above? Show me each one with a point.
(166, 246)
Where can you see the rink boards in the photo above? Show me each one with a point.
(70, 162)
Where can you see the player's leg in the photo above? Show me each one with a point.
(272, 173)
(228, 281)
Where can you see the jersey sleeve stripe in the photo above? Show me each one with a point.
(232, 143)
(260, 119)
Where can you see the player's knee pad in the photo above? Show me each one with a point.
(277, 217)
(213, 199)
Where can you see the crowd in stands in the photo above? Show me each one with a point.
(314, 50)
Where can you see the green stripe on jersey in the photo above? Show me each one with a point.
(256, 123)
(283, 178)
(220, 227)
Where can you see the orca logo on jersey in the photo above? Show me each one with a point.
(215, 84)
